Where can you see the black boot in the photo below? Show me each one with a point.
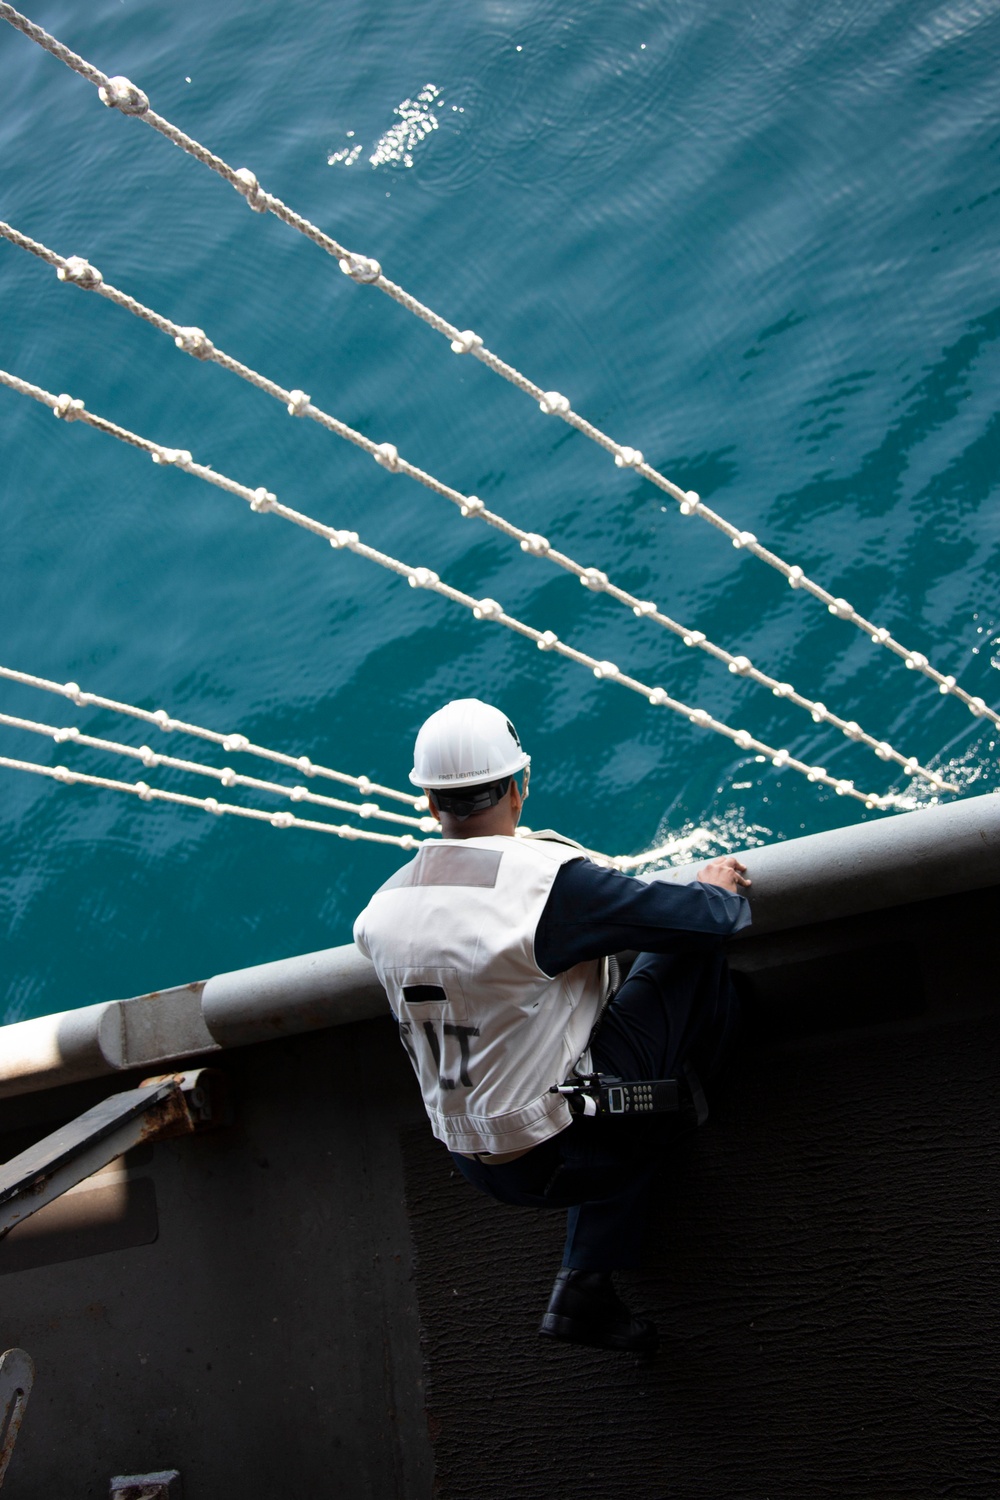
(585, 1309)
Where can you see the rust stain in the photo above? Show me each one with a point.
(18, 1374)
(169, 1118)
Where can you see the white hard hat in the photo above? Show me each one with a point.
(466, 743)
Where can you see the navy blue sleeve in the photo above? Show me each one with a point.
(592, 912)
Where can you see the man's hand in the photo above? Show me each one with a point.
(726, 871)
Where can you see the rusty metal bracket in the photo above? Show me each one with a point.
(171, 1105)
(17, 1373)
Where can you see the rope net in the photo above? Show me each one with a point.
(121, 94)
(263, 501)
(194, 341)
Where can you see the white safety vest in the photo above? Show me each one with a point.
(452, 938)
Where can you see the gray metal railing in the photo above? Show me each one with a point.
(871, 867)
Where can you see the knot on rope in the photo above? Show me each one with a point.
(819, 713)
(247, 185)
(795, 576)
(593, 578)
(816, 773)
(211, 805)
(145, 791)
(466, 342)
(364, 785)
(360, 267)
(883, 750)
(916, 661)
(701, 718)
(658, 697)
(644, 607)
(163, 721)
(841, 609)
(691, 503)
(853, 730)
(343, 539)
(741, 665)
(263, 499)
(368, 809)
(423, 578)
(429, 825)
(148, 757)
(282, 820)
(694, 637)
(80, 272)
(235, 742)
(535, 544)
(228, 776)
(64, 774)
(178, 458)
(977, 707)
(552, 403)
(606, 669)
(743, 739)
(744, 539)
(297, 403)
(880, 636)
(298, 793)
(473, 506)
(487, 609)
(62, 735)
(121, 93)
(782, 690)
(387, 454)
(69, 408)
(628, 458)
(547, 640)
(780, 758)
(306, 766)
(911, 766)
(844, 788)
(72, 690)
(947, 685)
(409, 842)
(421, 804)
(195, 341)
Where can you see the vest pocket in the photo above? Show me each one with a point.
(425, 991)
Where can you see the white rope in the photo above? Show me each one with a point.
(148, 793)
(120, 93)
(228, 778)
(225, 775)
(262, 501)
(160, 719)
(194, 341)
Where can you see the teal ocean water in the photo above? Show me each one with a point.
(756, 242)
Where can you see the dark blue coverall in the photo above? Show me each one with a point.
(676, 1005)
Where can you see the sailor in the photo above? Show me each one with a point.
(494, 952)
